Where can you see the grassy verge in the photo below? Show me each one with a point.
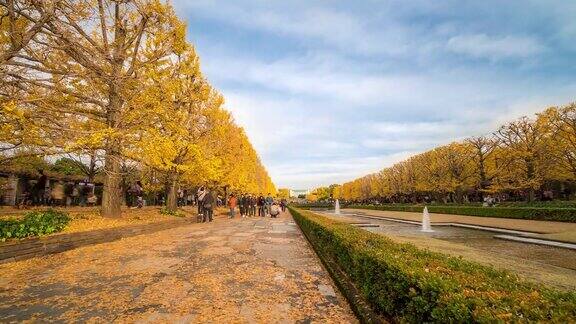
(414, 285)
(531, 213)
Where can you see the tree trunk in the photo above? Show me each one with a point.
(112, 193)
(172, 199)
(530, 174)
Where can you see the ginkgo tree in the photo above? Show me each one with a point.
(521, 158)
(117, 79)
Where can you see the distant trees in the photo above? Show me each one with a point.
(522, 159)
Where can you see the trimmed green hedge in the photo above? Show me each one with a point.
(413, 285)
(533, 213)
(34, 223)
(314, 205)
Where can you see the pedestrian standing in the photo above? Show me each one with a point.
(208, 206)
(246, 204)
(269, 201)
(232, 203)
(283, 204)
(261, 206)
(200, 195)
(241, 205)
(251, 205)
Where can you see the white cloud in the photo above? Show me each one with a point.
(307, 21)
(495, 48)
(328, 94)
(324, 77)
(307, 175)
(308, 132)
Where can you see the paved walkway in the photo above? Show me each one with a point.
(507, 223)
(230, 271)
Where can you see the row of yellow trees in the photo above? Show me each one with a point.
(118, 79)
(523, 157)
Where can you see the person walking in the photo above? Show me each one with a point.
(232, 203)
(251, 205)
(261, 206)
(208, 206)
(269, 201)
(241, 205)
(283, 204)
(200, 195)
(245, 204)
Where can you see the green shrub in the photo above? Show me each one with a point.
(413, 285)
(35, 223)
(533, 213)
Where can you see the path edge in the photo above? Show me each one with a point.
(357, 303)
(53, 244)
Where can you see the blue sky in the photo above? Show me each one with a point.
(332, 90)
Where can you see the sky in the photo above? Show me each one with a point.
(329, 91)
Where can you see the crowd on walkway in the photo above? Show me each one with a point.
(248, 205)
(57, 192)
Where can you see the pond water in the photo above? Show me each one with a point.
(479, 239)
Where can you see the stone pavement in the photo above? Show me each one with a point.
(254, 270)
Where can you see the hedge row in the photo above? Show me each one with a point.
(314, 205)
(533, 213)
(34, 223)
(413, 285)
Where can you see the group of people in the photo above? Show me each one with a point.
(250, 205)
(206, 203)
(58, 193)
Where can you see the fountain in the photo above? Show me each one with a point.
(426, 226)
(337, 207)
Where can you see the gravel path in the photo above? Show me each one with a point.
(253, 270)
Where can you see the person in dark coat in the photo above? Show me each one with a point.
(208, 206)
(39, 189)
(246, 205)
(241, 205)
(261, 202)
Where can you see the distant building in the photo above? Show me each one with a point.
(294, 193)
